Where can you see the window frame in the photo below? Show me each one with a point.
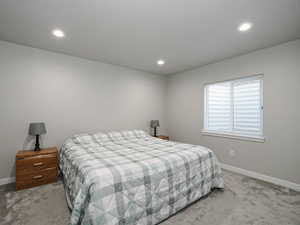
(234, 134)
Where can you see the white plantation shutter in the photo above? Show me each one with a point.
(235, 107)
(247, 107)
(219, 107)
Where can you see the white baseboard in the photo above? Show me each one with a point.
(7, 180)
(259, 176)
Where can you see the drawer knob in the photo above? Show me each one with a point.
(38, 164)
(37, 177)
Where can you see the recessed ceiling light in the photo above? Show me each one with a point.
(160, 62)
(245, 26)
(58, 33)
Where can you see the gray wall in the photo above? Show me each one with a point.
(74, 95)
(71, 95)
(279, 156)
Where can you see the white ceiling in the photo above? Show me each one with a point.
(135, 33)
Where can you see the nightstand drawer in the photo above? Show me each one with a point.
(37, 163)
(37, 178)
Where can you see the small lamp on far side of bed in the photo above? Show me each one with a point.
(154, 124)
(37, 129)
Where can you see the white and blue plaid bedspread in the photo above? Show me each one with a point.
(130, 177)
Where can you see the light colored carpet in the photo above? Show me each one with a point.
(244, 201)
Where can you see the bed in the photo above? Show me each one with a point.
(130, 177)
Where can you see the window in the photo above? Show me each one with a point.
(235, 108)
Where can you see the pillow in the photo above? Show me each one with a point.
(82, 138)
(128, 134)
(115, 135)
(140, 133)
(101, 137)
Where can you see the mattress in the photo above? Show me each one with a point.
(130, 177)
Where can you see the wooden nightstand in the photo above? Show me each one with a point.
(34, 168)
(163, 137)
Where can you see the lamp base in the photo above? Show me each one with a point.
(155, 135)
(37, 143)
(37, 149)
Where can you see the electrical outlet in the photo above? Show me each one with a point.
(232, 153)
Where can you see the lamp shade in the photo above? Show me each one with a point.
(154, 123)
(37, 128)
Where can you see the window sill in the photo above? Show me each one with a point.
(233, 136)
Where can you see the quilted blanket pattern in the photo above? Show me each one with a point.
(130, 177)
